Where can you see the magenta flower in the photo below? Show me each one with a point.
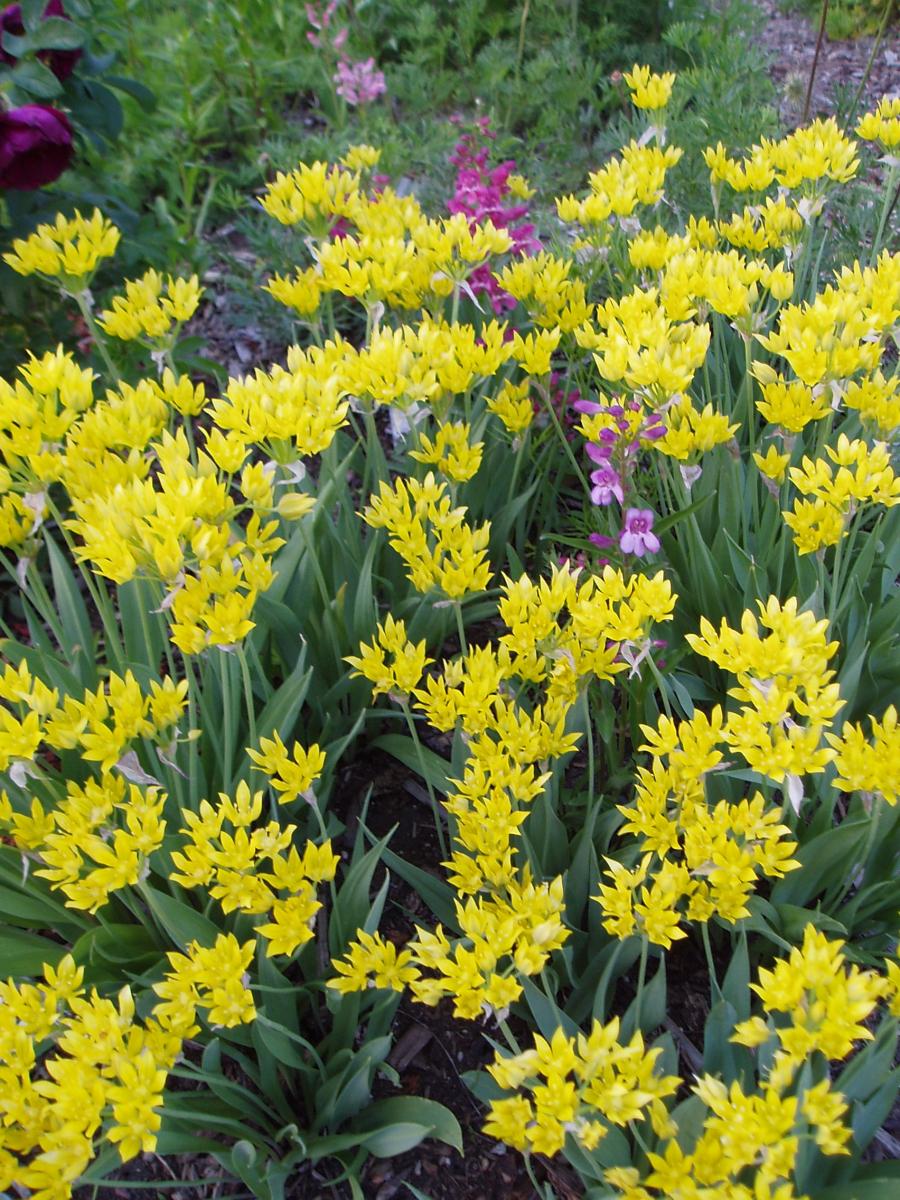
(35, 146)
(482, 193)
(61, 62)
(637, 536)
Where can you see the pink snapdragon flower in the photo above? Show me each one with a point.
(637, 536)
(320, 19)
(359, 82)
(482, 193)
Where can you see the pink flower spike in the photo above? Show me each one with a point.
(637, 536)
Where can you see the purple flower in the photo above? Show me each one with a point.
(588, 406)
(607, 486)
(637, 536)
(601, 452)
(61, 62)
(35, 146)
(359, 82)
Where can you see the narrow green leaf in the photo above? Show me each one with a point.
(73, 616)
(404, 749)
(182, 923)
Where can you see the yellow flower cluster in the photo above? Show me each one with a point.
(74, 1064)
(864, 476)
(743, 1135)
(513, 406)
(151, 307)
(392, 664)
(749, 1143)
(841, 331)
(432, 537)
(560, 633)
(254, 868)
(639, 345)
(864, 766)
(389, 253)
(780, 663)
(700, 860)
(102, 724)
(815, 154)
(451, 452)
(69, 250)
(882, 124)
(543, 283)
(98, 837)
(578, 1086)
(210, 977)
(290, 774)
(36, 413)
(647, 89)
(827, 1003)
(617, 189)
(290, 412)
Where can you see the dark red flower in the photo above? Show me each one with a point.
(35, 146)
(61, 62)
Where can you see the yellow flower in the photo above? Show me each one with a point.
(883, 124)
(69, 250)
(372, 962)
(772, 464)
(649, 90)
(513, 406)
(392, 664)
(150, 307)
(292, 775)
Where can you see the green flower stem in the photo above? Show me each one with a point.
(460, 626)
(544, 393)
(887, 205)
(248, 694)
(751, 427)
(589, 734)
(660, 684)
(715, 991)
(376, 462)
(321, 583)
(508, 1035)
(36, 594)
(84, 307)
(642, 976)
(228, 752)
(538, 1190)
(517, 466)
(97, 592)
(435, 809)
(193, 749)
